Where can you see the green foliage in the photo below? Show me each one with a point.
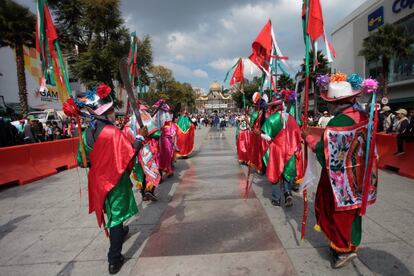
(322, 68)
(285, 82)
(249, 88)
(144, 60)
(97, 29)
(69, 23)
(17, 24)
(387, 42)
(163, 85)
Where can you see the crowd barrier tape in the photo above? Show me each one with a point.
(26, 163)
(386, 147)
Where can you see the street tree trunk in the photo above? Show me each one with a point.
(21, 79)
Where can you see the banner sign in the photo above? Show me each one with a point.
(376, 19)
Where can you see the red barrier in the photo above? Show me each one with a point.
(387, 146)
(27, 163)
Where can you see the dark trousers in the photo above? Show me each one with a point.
(116, 239)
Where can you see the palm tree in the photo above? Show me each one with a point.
(285, 82)
(387, 42)
(321, 69)
(17, 27)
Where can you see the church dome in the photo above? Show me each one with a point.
(215, 87)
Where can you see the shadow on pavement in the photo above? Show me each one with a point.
(11, 225)
(381, 262)
(149, 218)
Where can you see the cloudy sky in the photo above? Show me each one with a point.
(200, 39)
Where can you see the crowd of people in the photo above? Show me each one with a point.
(27, 131)
(400, 122)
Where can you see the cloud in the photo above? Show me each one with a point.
(201, 40)
(200, 73)
(222, 64)
(183, 72)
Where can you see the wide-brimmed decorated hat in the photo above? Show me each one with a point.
(338, 86)
(95, 102)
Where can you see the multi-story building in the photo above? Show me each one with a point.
(349, 34)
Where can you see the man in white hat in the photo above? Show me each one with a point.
(324, 120)
(401, 128)
(340, 152)
(389, 119)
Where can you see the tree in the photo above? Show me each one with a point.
(69, 16)
(17, 28)
(321, 69)
(144, 59)
(96, 29)
(249, 88)
(285, 82)
(387, 42)
(162, 78)
(163, 85)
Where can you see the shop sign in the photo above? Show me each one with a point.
(376, 18)
(400, 5)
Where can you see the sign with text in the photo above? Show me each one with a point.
(376, 19)
(400, 5)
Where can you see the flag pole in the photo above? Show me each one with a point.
(305, 115)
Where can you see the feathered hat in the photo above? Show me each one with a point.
(95, 102)
(338, 86)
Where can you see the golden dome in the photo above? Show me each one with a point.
(215, 87)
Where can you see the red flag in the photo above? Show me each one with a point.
(315, 20)
(238, 75)
(262, 47)
(50, 28)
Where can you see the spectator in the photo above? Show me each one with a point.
(57, 132)
(324, 120)
(29, 136)
(49, 131)
(389, 119)
(38, 131)
(194, 121)
(72, 129)
(402, 127)
(8, 133)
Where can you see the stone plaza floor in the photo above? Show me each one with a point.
(200, 226)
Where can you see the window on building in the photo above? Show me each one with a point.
(403, 68)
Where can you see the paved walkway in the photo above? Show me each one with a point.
(200, 226)
(209, 229)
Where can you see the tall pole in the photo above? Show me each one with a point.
(305, 115)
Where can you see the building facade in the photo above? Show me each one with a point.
(349, 34)
(215, 100)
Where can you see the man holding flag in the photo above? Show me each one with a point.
(342, 151)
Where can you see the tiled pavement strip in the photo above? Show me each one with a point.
(201, 226)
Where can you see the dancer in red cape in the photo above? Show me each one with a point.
(341, 152)
(185, 135)
(110, 155)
